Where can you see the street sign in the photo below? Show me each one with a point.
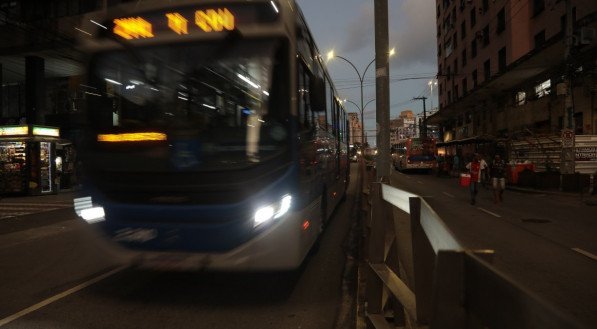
(567, 138)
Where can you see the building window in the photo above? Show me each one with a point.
(474, 48)
(449, 73)
(543, 89)
(449, 96)
(486, 35)
(473, 17)
(501, 21)
(475, 80)
(464, 87)
(502, 59)
(463, 30)
(539, 39)
(485, 6)
(456, 66)
(463, 58)
(487, 70)
(520, 98)
(456, 94)
(448, 47)
(538, 7)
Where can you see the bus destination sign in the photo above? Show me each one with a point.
(208, 20)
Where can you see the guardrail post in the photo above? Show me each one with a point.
(376, 251)
(423, 263)
(448, 295)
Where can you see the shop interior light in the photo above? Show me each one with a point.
(132, 137)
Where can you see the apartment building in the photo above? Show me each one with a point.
(502, 68)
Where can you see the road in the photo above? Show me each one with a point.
(546, 242)
(58, 274)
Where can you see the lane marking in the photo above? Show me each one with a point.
(489, 212)
(448, 194)
(585, 253)
(419, 182)
(59, 296)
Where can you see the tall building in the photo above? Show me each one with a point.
(503, 72)
(356, 130)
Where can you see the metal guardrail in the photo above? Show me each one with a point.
(420, 276)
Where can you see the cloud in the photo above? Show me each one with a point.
(359, 32)
(414, 32)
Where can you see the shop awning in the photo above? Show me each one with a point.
(469, 140)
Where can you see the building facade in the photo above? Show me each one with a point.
(504, 69)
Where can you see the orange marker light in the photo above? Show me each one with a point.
(177, 23)
(132, 137)
(214, 20)
(306, 224)
(133, 28)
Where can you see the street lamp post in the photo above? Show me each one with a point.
(361, 80)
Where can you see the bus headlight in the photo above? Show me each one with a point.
(273, 211)
(88, 211)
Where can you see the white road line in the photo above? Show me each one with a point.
(489, 212)
(450, 195)
(419, 182)
(41, 204)
(585, 253)
(58, 297)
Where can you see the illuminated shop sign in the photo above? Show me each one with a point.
(26, 130)
(46, 131)
(14, 131)
(190, 20)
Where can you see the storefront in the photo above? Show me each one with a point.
(28, 160)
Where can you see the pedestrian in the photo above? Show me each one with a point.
(455, 166)
(484, 171)
(474, 168)
(498, 178)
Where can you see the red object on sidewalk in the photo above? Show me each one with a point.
(517, 169)
(465, 180)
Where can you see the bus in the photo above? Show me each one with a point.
(414, 153)
(214, 138)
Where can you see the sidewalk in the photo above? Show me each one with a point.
(589, 199)
(64, 196)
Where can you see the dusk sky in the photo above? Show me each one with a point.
(347, 27)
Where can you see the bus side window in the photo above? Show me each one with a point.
(329, 107)
(304, 103)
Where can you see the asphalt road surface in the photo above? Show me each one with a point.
(546, 242)
(58, 274)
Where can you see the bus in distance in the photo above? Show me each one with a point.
(414, 153)
(214, 137)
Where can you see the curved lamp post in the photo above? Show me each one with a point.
(330, 56)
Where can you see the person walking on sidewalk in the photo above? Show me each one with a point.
(474, 168)
(484, 171)
(498, 178)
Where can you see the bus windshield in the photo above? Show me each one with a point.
(218, 100)
(421, 150)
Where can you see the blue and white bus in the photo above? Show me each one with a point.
(214, 136)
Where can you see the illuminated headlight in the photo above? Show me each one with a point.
(273, 211)
(86, 210)
(93, 215)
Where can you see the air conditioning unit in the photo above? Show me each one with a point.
(587, 35)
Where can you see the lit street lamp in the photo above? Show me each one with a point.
(330, 56)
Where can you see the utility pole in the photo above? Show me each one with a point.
(424, 126)
(382, 84)
(567, 157)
